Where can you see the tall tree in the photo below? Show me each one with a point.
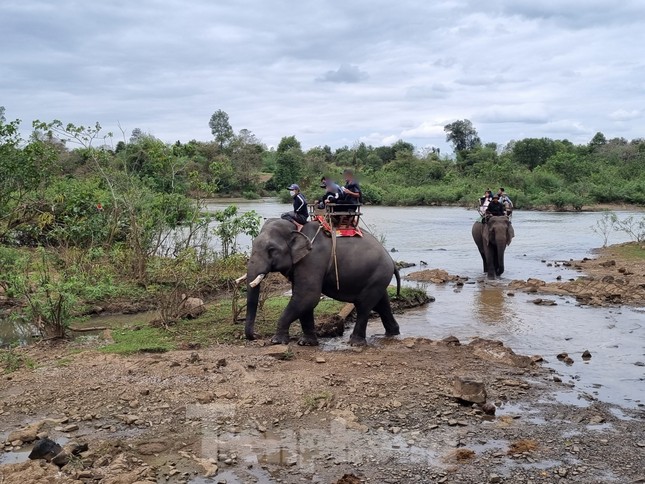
(221, 128)
(289, 162)
(463, 135)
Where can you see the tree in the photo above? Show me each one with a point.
(246, 156)
(221, 128)
(597, 141)
(533, 152)
(462, 135)
(289, 162)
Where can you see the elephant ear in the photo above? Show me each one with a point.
(300, 246)
(510, 233)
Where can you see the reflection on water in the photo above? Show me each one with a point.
(490, 306)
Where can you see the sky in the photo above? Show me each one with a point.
(329, 72)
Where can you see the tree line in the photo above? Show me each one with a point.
(72, 183)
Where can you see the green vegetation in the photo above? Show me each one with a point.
(139, 340)
(316, 400)
(630, 251)
(11, 360)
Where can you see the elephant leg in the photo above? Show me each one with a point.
(358, 336)
(308, 330)
(384, 310)
(300, 304)
(490, 262)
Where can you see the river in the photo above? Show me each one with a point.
(440, 236)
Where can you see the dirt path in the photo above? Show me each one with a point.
(263, 414)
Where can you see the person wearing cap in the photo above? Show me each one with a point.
(495, 208)
(300, 212)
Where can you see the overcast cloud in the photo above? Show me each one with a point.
(329, 72)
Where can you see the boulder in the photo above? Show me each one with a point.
(45, 449)
(191, 307)
(26, 434)
(469, 390)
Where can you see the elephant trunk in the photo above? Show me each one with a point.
(252, 298)
(501, 247)
(257, 270)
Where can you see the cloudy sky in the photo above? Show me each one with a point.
(329, 72)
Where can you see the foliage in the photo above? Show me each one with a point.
(230, 225)
(11, 359)
(221, 128)
(463, 135)
(632, 226)
(139, 340)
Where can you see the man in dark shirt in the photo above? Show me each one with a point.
(300, 211)
(351, 191)
(494, 207)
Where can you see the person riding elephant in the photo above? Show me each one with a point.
(300, 212)
(492, 238)
(360, 273)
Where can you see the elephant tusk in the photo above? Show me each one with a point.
(240, 279)
(257, 280)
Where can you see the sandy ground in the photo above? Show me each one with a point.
(256, 413)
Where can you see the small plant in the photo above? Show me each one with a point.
(633, 227)
(317, 400)
(230, 225)
(11, 360)
(604, 226)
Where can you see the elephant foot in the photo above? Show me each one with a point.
(391, 334)
(280, 339)
(357, 341)
(308, 341)
(251, 336)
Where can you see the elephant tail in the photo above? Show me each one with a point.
(398, 280)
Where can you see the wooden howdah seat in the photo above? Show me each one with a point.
(336, 218)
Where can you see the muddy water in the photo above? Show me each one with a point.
(440, 237)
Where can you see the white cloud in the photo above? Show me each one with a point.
(625, 115)
(516, 68)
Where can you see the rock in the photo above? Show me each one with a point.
(568, 360)
(26, 434)
(205, 397)
(194, 358)
(45, 449)
(320, 359)
(489, 408)
(451, 341)
(192, 307)
(639, 363)
(536, 358)
(586, 355)
(608, 263)
(62, 458)
(221, 363)
(544, 302)
(469, 390)
(596, 419)
(276, 351)
(562, 356)
(69, 428)
(493, 478)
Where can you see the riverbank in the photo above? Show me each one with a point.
(263, 413)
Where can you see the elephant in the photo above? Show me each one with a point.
(305, 257)
(492, 236)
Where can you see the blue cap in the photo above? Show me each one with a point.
(293, 186)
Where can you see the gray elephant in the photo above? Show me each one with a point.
(492, 237)
(365, 270)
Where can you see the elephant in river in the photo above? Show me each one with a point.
(492, 237)
(364, 267)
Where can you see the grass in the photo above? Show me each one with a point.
(630, 251)
(313, 401)
(11, 360)
(144, 340)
